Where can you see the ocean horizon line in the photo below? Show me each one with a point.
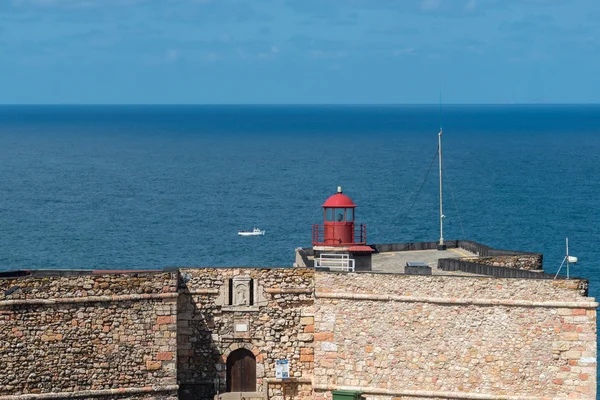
(284, 104)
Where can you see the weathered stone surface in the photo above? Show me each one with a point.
(74, 347)
(530, 262)
(133, 335)
(74, 286)
(421, 346)
(276, 327)
(452, 287)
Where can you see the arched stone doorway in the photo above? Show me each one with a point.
(241, 371)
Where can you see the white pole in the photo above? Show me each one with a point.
(567, 240)
(441, 245)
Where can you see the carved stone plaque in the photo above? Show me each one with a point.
(241, 291)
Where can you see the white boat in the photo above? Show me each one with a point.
(253, 232)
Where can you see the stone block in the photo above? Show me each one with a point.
(167, 319)
(323, 336)
(570, 336)
(329, 346)
(164, 356)
(573, 355)
(305, 337)
(153, 365)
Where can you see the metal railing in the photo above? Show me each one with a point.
(335, 262)
(318, 235)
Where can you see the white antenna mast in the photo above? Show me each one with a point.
(568, 259)
(441, 245)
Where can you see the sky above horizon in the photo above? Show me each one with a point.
(299, 51)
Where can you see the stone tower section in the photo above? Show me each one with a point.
(235, 323)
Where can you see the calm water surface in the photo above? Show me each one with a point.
(149, 187)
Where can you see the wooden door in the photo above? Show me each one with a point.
(241, 371)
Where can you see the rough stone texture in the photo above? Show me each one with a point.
(85, 395)
(72, 346)
(460, 287)
(530, 262)
(138, 397)
(496, 350)
(280, 326)
(77, 333)
(51, 287)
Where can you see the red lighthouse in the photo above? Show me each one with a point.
(338, 229)
(339, 243)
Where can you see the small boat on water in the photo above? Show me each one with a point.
(253, 232)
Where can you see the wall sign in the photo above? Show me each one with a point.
(282, 369)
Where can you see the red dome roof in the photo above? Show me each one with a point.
(339, 200)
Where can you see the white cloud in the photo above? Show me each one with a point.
(403, 52)
(430, 5)
(328, 55)
(172, 56)
(270, 54)
(211, 57)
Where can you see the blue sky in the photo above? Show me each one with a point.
(299, 51)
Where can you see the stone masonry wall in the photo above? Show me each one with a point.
(148, 335)
(279, 326)
(95, 336)
(393, 336)
(530, 262)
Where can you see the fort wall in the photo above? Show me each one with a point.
(453, 337)
(169, 335)
(530, 262)
(89, 336)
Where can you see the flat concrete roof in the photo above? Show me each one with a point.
(395, 261)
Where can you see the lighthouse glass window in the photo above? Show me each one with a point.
(329, 214)
(339, 215)
(349, 214)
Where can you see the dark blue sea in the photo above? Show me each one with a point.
(153, 186)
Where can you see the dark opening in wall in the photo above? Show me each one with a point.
(241, 292)
(251, 297)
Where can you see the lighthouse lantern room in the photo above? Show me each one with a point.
(338, 228)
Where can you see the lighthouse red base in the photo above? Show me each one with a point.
(340, 235)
